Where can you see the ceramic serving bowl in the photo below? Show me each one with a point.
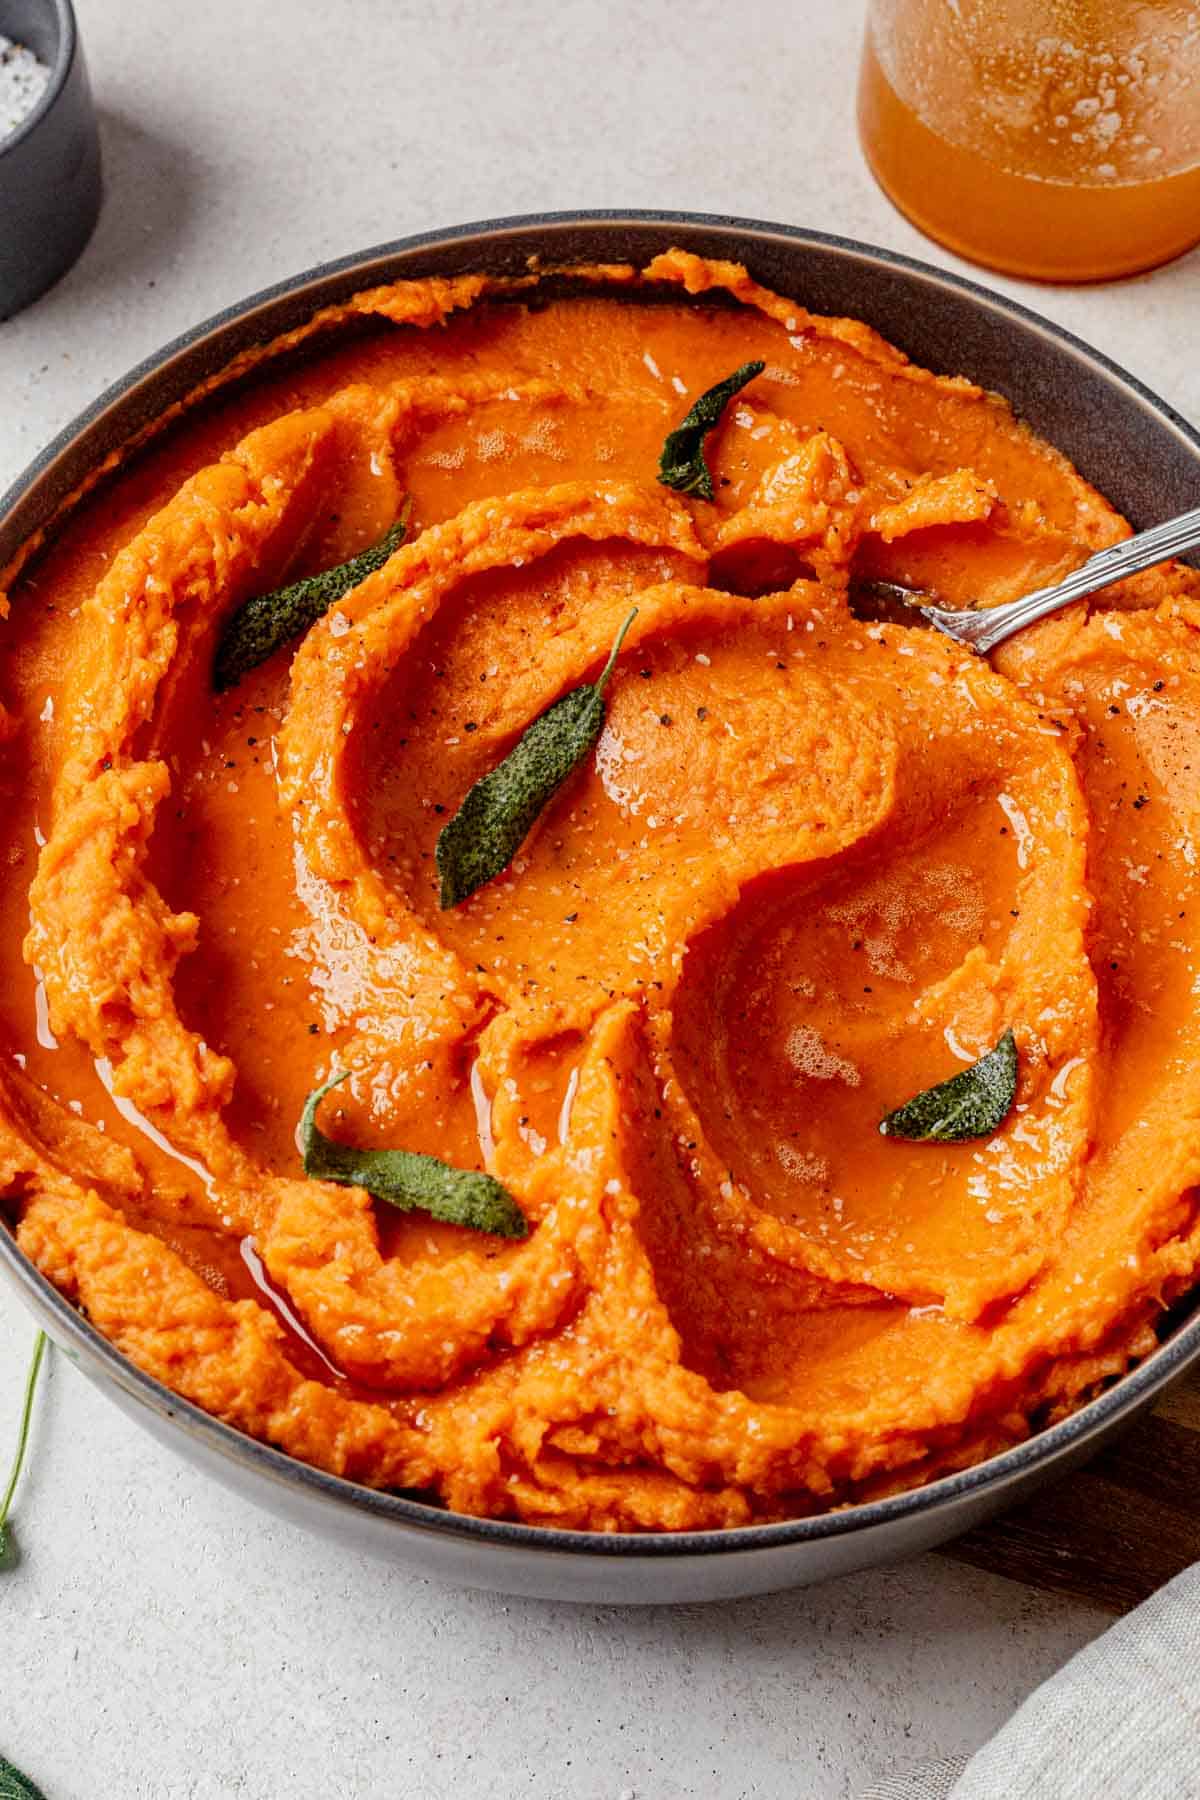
(1128, 442)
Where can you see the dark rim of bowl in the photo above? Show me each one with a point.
(64, 57)
(1047, 1446)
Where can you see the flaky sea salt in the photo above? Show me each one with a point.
(22, 83)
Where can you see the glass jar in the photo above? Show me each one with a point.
(1058, 139)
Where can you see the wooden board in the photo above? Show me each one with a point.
(1114, 1531)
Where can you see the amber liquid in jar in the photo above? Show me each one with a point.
(1058, 139)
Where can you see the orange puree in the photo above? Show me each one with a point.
(813, 866)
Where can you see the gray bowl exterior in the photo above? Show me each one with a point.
(49, 166)
(1136, 450)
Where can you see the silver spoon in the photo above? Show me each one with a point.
(983, 628)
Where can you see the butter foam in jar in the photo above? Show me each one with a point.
(1056, 139)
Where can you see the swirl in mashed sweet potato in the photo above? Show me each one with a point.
(813, 866)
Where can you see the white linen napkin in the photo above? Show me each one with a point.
(1121, 1721)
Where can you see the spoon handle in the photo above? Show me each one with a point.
(985, 629)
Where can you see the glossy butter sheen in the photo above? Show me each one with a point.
(813, 866)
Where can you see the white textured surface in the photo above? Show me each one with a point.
(158, 1640)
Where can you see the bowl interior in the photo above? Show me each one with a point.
(1128, 442)
(1132, 446)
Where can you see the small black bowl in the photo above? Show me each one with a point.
(50, 165)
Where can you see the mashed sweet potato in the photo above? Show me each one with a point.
(813, 866)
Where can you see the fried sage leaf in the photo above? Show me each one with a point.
(261, 626)
(495, 818)
(681, 465)
(16, 1786)
(7, 1547)
(408, 1179)
(972, 1104)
